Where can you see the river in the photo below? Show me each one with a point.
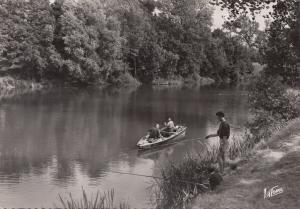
(61, 141)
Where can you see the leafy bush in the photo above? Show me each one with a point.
(269, 94)
(123, 79)
(271, 105)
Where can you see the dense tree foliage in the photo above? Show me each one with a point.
(98, 41)
(282, 50)
(88, 40)
(26, 37)
(228, 58)
(173, 41)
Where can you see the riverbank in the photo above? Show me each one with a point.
(276, 164)
(196, 80)
(10, 86)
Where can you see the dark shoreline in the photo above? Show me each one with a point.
(10, 86)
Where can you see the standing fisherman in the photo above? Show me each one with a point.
(223, 133)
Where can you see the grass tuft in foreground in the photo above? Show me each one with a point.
(100, 201)
(181, 182)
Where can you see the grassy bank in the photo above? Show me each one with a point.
(276, 163)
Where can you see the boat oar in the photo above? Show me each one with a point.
(168, 132)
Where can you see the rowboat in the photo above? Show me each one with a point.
(146, 142)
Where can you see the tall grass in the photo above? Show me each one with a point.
(100, 201)
(240, 147)
(181, 182)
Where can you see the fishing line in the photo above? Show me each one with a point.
(156, 177)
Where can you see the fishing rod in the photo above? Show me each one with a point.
(235, 127)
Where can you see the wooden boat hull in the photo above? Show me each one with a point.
(146, 143)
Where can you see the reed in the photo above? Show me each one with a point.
(100, 201)
(180, 183)
(239, 147)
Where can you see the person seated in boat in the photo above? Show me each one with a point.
(170, 126)
(154, 133)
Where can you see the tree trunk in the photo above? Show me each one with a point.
(298, 27)
(135, 67)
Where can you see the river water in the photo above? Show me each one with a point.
(61, 141)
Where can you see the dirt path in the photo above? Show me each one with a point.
(278, 165)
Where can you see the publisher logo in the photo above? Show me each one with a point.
(276, 190)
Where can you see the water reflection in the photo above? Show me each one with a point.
(58, 141)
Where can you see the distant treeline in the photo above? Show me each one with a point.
(91, 42)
